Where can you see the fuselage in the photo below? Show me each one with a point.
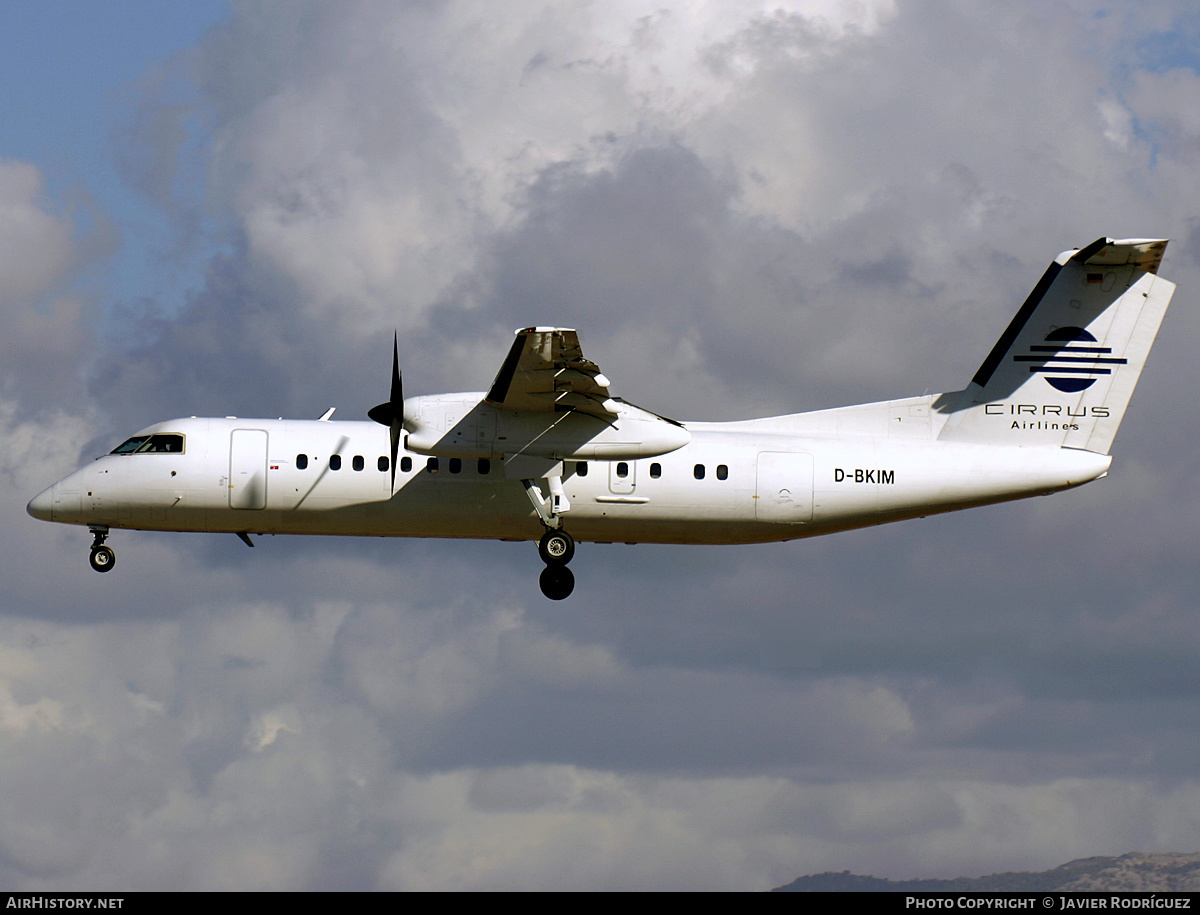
(778, 478)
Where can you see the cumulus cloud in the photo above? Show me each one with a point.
(46, 321)
(37, 246)
(220, 750)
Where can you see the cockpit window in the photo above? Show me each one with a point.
(164, 443)
(159, 443)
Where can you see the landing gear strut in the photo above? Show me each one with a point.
(102, 557)
(556, 546)
(556, 549)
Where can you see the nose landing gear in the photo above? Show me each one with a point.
(102, 557)
(556, 549)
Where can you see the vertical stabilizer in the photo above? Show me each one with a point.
(1064, 370)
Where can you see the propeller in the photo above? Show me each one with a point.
(391, 414)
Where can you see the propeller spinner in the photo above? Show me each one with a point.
(391, 413)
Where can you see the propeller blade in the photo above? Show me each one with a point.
(391, 414)
(395, 430)
(397, 392)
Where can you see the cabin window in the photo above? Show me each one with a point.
(456, 465)
(722, 472)
(405, 464)
(655, 471)
(159, 443)
(358, 463)
(698, 472)
(622, 469)
(302, 462)
(383, 463)
(335, 462)
(581, 468)
(431, 465)
(485, 467)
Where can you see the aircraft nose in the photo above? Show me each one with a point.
(41, 506)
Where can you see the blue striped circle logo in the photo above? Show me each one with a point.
(1069, 359)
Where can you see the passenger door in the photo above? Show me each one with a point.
(248, 469)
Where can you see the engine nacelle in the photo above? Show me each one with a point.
(466, 426)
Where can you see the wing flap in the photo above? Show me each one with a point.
(546, 372)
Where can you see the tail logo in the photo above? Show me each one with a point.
(1067, 354)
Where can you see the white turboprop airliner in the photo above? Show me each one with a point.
(547, 449)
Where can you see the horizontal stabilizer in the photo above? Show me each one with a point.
(1143, 253)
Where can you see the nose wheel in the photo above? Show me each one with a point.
(102, 557)
(556, 549)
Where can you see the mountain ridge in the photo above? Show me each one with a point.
(1162, 872)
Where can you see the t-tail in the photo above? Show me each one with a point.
(1064, 370)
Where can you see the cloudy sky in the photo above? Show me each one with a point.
(774, 206)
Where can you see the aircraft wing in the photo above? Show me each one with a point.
(545, 372)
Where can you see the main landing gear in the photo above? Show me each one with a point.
(102, 557)
(556, 546)
(556, 549)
